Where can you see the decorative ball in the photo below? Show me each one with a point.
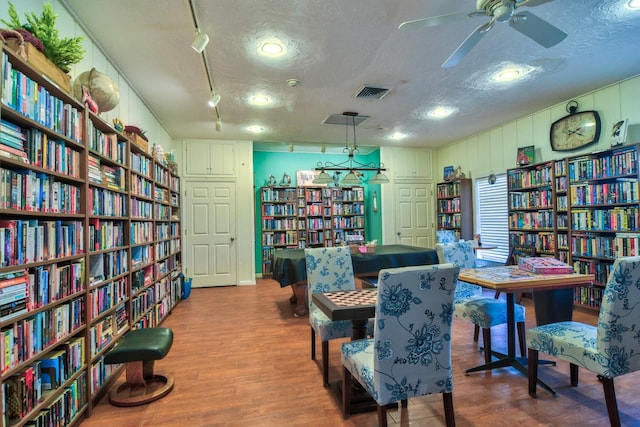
(104, 91)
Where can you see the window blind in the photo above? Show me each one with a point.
(492, 217)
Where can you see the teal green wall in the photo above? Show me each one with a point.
(276, 164)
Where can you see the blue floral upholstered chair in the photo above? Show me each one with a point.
(446, 236)
(328, 269)
(410, 354)
(469, 304)
(610, 349)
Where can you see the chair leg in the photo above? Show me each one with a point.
(610, 398)
(346, 393)
(476, 333)
(325, 363)
(522, 336)
(486, 338)
(313, 344)
(449, 416)
(532, 371)
(497, 295)
(382, 415)
(573, 369)
(404, 403)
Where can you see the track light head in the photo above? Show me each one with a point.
(200, 42)
(218, 125)
(214, 100)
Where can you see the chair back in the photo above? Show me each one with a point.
(520, 250)
(462, 255)
(446, 236)
(619, 318)
(328, 269)
(412, 354)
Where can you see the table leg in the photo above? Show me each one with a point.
(553, 306)
(299, 292)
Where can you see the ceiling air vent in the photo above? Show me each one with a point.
(372, 92)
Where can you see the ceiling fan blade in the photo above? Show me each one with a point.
(468, 44)
(532, 3)
(434, 21)
(537, 29)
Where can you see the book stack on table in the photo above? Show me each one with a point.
(544, 265)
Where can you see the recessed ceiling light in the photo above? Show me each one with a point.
(255, 129)
(441, 112)
(508, 75)
(272, 48)
(397, 136)
(260, 100)
(633, 4)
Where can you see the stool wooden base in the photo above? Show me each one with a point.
(154, 388)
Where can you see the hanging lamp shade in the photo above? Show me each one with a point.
(323, 178)
(350, 179)
(379, 178)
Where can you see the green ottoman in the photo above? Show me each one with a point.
(138, 350)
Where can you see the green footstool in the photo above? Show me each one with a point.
(138, 350)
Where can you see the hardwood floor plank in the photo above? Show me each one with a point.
(240, 358)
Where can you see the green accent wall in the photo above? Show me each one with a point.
(277, 163)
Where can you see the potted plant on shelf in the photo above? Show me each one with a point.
(58, 53)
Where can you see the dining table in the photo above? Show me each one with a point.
(289, 266)
(552, 299)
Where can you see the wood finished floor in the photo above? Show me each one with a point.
(240, 358)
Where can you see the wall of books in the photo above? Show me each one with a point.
(90, 247)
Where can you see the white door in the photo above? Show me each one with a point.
(210, 236)
(414, 213)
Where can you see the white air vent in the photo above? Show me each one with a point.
(371, 92)
(344, 119)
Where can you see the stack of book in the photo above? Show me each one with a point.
(14, 295)
(12, 140)
(95, 174)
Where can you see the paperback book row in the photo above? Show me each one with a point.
(616, 219)
(105, 235)
(619, 163)
(25, 390)
(24, 241)
(27, 290)
(27, 190)
(109, 295)
(608, 193)
(26, 96)
(603, 246)
(106, 144)
(36, 148)
(113, 177)
(28, 337)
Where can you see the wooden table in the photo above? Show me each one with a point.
(289, 267)
(552, 296)
(359, 306)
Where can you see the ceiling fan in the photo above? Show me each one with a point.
(537, 29)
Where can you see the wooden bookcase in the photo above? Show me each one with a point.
(531, 203)
(454, 207)
(604, 215)
(309, 216)
(90, 226)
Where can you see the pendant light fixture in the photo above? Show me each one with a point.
(353, 167)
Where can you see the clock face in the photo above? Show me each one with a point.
(575, 131)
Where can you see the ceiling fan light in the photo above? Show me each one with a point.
(200, 42)
(379, 178)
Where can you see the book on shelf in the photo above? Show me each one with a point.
(544, 265)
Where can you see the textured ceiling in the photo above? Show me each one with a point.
(336, 46)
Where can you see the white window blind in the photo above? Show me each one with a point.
(492, 218)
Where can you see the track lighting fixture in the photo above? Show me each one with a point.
(214, 100)
(200, 42)
(218, 125)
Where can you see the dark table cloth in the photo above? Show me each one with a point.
(289, 264)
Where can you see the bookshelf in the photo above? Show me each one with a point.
(309, 216)
(531, 206)
(455, 207)
(93, 223)
(604, 215)
(279, 222)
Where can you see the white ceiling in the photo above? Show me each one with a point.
(336, 46)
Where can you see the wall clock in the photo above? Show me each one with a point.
(575, 130)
